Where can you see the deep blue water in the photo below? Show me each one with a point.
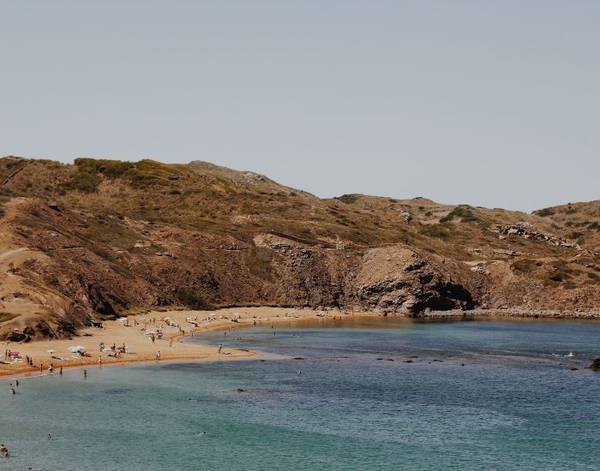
(455, 395)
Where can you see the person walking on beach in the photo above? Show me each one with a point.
(220, 348)
(84, 374)
(157, 355)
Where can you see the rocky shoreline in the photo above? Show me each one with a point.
(489, 314)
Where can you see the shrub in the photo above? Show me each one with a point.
(189, 297)
(437, 230)
(594, 226)
(348, 199)
(545, 212)
(84, 181)
(463, 212)
(525, 265)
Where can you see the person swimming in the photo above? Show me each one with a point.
(4, 451)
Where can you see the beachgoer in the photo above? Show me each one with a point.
(157, 355)
(60, 371)
(85, 374)
(12, 390)
(220, 347)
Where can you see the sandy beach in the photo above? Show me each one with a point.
(136, 331)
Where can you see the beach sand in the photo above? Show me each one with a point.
(140, 347)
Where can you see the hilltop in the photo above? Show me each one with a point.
(100, 238)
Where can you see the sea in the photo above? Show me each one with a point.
(365, 394)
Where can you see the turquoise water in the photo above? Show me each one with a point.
(461, 395)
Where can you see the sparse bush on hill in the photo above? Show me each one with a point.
(545, 212)
(576, 235)
(348, 199)
(189, 297)
(525, 265)
(139, 174)
(463, 212)
(437, 230)
(84, 181)
(594, 226)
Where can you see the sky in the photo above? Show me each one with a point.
(490, 103)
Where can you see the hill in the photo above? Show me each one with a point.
(99, 238)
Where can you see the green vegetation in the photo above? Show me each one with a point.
(561, 272)
(6, 316)
(189, 297)
(545, 212)
(438, 231)
(348, 199)
(84, 181)
(110, 233)
(465, 214)
(89, 173)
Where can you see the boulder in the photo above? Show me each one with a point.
(595, 365)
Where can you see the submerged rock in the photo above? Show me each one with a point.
(595, 365)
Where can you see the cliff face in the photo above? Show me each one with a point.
(99, 238)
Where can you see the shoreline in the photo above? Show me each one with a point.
(134, 335)
(176, 328)
(510, 314)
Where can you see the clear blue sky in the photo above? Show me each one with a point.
(493, 103)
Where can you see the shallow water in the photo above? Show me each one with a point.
(364, 395)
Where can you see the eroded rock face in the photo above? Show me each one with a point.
(400, 279)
